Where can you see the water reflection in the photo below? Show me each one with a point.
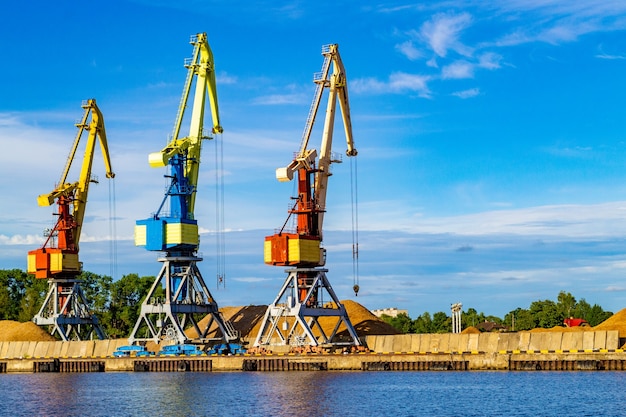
(293, 393)
(312, 394)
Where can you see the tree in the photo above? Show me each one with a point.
(127, 295)
(566, 305)
(471, 317)
(97, 290)
(494, 319)
(519, 319)
(402, 322)
(423, 324)
(442, 323)
(597, 315)
(35, 291)
(581, 310)
(17, 299)
(546, 314)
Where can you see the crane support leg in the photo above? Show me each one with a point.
(65, 311)
(305, 299)
(187, 300)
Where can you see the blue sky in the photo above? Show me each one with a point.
(491, 140)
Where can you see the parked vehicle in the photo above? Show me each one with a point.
(131, 350)
(572, 322)
(227, 349)
(178, 350)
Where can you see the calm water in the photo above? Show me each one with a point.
(359, 394)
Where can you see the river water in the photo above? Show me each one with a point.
(361, 394)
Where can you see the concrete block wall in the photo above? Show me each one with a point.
(495, 342)
(74, 349)
(417, 343)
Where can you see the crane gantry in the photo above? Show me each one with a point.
(301, 300)
(65, 308)
(175, 233)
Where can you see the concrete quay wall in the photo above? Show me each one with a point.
(330, 362)
(496, 342)
(498, 351)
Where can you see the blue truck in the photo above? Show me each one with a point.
(227, 349)
(178, 350)
(131, 350)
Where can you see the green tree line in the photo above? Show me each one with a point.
(540, 314)
(116, 304)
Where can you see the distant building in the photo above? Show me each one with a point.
(391, 312)
(490, 326)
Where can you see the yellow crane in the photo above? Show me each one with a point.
(175, 233)
(65, 307)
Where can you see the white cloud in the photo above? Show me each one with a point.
(275, 99)
(564, 32)
(472, 92)
(458, 70)
(570, 152)
(368, 85)
(398, 82)
(556, 21)
(225, 78)
(401, 81)
(21, 240)
(489, 60)
(409, 50)
(589, 9)
(553, 22)
(584, 221)
(611, 57)
(581, 221)
(442, 33)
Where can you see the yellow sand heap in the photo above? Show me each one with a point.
(12, 331)
(247, 320)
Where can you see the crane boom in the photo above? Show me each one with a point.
(179, 230)
(62, 259)
(303, 247)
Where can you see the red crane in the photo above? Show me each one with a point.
(301, 248)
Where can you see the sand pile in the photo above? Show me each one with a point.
(470, 330)
(616, 322)
(562, 329)
(244, 319)
(247, 321)
(14, 331)
(364, 322)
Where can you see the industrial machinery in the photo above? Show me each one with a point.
(175, 233)
(306, 295)
(65, 308)
(574, 322)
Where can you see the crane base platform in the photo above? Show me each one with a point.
(305, 299)
(65, 310)
(186, 298)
